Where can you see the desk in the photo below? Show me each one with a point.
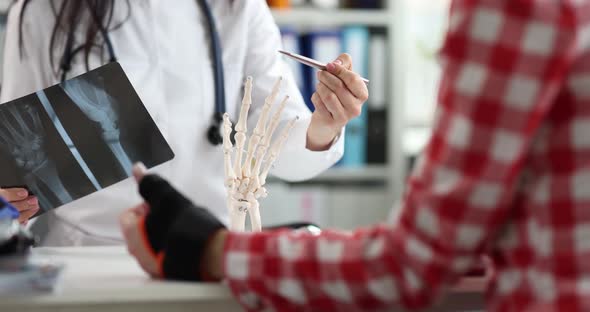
(108, 279)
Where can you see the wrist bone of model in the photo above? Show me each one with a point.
(245, 180)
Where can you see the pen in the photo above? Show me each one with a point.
(310, 62)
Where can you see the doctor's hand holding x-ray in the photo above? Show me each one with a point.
(20, 198)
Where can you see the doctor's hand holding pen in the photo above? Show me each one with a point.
(25, 203)
(339, 97)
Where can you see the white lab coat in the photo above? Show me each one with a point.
(164, 49)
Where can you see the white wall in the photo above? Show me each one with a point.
(342, 207)
(425, 23)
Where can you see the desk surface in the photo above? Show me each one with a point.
(99, 276)
(108, 279)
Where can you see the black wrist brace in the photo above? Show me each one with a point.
(177, 227)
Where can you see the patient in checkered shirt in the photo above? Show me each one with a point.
(506, 173)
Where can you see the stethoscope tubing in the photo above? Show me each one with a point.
(213, 133)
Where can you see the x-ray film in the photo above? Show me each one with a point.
(77, 137)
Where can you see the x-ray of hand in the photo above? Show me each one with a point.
(100, 107)
(22, 136)
(75, 138)
(96, 104)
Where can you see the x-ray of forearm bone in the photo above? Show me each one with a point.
(22, 136)
(101, 108)
(245, 180)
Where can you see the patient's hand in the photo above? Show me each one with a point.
(130, 221)
(136, 245)
(168, 234)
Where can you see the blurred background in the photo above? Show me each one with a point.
(394, 44)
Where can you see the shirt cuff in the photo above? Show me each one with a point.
(239, 271)
(296, 162)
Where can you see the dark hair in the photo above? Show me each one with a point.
(68, 17)
(68, 20)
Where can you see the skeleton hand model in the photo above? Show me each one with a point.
(99, 107)
(245, 180)
(21, 135)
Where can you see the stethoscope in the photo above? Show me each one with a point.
(213, 133)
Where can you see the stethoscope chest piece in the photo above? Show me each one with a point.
(214, 132)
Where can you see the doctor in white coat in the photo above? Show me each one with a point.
(164, 47)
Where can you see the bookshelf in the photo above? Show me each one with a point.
(319, 17)
(374, 174)
(393, 173)
(370, 173)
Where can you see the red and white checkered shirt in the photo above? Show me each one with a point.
(506, 173)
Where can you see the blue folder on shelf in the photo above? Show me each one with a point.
(355, 40)
(291, 42)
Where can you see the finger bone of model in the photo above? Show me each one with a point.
(264, 145)
(242, 127)
(275, 149)
(243, 183)
(230, 176)
(260, 129)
